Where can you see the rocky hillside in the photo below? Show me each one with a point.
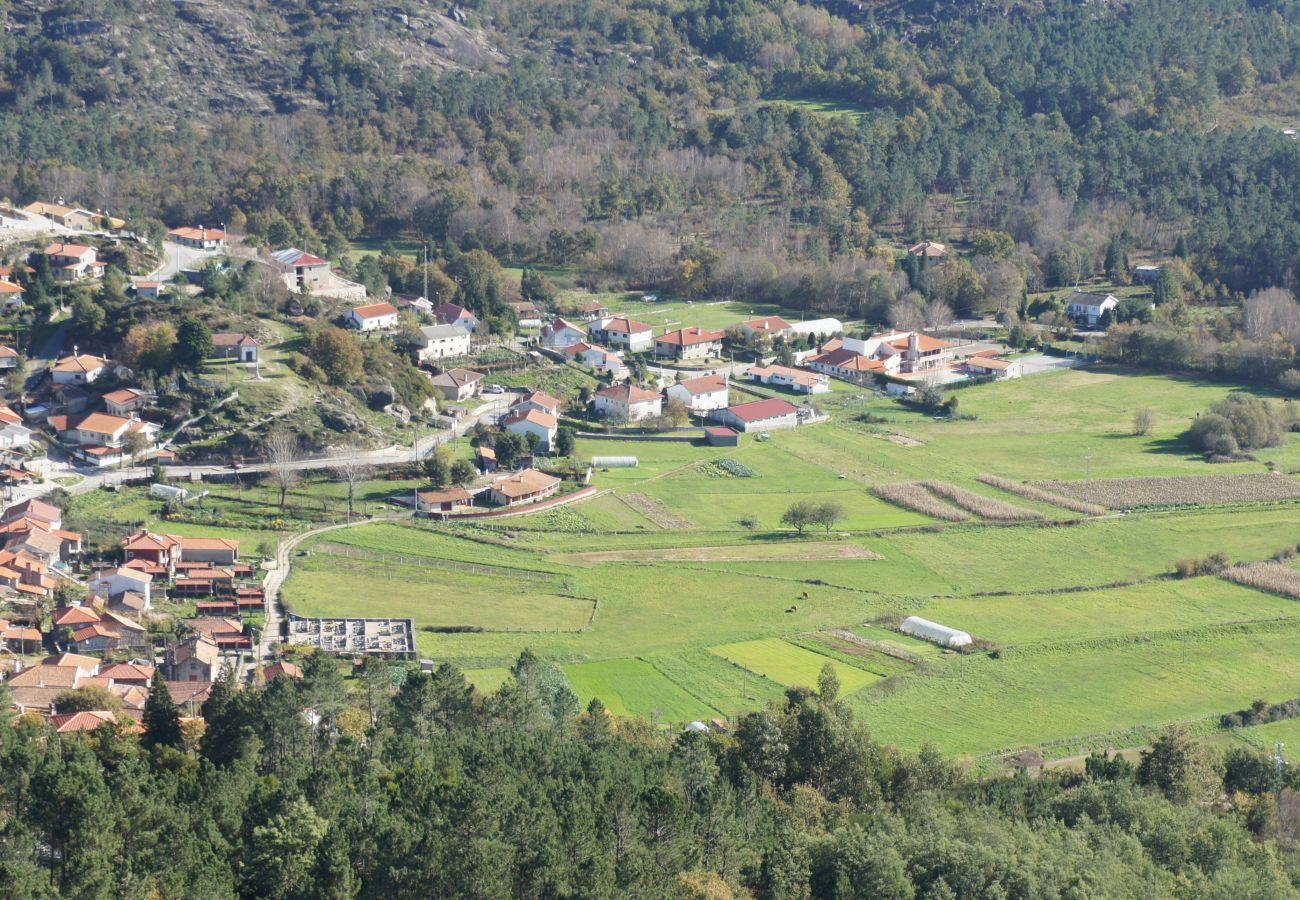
(251, 56)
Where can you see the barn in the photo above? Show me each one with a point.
(934, 632)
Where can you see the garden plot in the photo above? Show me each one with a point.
(1267, 576)
(1133, 493)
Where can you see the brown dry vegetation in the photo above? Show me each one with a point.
(912, 495)
(1030, 492)
(1128, 493)
(1267, 576)
(987, 507)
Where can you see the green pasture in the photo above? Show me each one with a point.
(1266, 737)
(633, 687)
(792, 665)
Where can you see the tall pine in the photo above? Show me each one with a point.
(162, 721)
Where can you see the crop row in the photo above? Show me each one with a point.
(1130, 493)
(987, 507)
(911, 495)
(1031, 492)
(1267, 576)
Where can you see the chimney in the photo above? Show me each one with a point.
(914, 343)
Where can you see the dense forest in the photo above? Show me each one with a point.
(662, 142)
(428, 789)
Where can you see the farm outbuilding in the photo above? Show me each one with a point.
(615, 462)
(934, 632)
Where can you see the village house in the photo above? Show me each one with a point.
(300, 269)
(112, 632)
(235, 345)
(442, 502)
(70, 262)
(13, 433)
(485, 458)
(701, 394)
(527, 486)
(992, 365)
(761, 415)
(454, 314)
(593, 310)
(627, 403)
(75, 217)
(372, 317)
(526, 311)
(772, 326)
(227, 634)
(115, 584)
(457, 385)
(421, 306)
(930, 253)
(36, 510)
(80, 368)
(441, 342)
(1088, 308)
(11, 295)
(597, 358)
(281, 668)
(689, 343)
(124, 401)
(8, 358)
(147, 290)
(538, 400)
(526, 421)
(801, 381)
(99, 437)
(157, 554)
(196, 658)
(561, 333)
(851, 366)
(198, 238)
(908, 352)
(209, 551)
(622, 332)
(20, 638)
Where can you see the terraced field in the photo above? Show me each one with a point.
(669, 606)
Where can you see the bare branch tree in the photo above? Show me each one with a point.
(351, 470)
(282, 450)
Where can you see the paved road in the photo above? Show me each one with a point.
(175, 258)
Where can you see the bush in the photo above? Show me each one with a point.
(1238, 422)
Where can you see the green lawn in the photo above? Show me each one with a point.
(633, 687)
(791, 665)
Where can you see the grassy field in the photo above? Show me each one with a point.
(654, 597)
(789, 664)
(1266, 736)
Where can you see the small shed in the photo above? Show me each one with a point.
(614, 462)
(721, 436)
(934, 632)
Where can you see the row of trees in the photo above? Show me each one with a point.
(410, 783)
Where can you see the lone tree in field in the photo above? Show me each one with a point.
(281, 454)
(828, 515)
(1143, 421)
(800, 515)
(351, 470)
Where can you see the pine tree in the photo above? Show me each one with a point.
(162, 721)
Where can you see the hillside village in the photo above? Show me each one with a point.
(83, 417)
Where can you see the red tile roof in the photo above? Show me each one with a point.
(627, 394)
(375, 310)
(687, 337)
(705, 384)
(762, 409)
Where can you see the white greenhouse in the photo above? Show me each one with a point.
(614, 462)
(934, 632)
(823, 328)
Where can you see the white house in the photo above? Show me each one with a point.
(373, 317)
(11, 294)
(708, 392)
(441, 342)
(148, 290)
(1089, 308)
(538, 400)
(622, 332)
(452, 314)
(8, 358)
(597, 358)
(301, 269)
(561, 333)
(124, 401)
(115, 583)
(772, 326)
(991, 365)
(761, 415)
(13, 433)
(80, 368)
(625, 402)
(235, 345)
(98, 429)
(72, 261)
(800, 381)
(198, 238)
(531, 421)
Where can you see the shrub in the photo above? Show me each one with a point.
(1238, 422)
